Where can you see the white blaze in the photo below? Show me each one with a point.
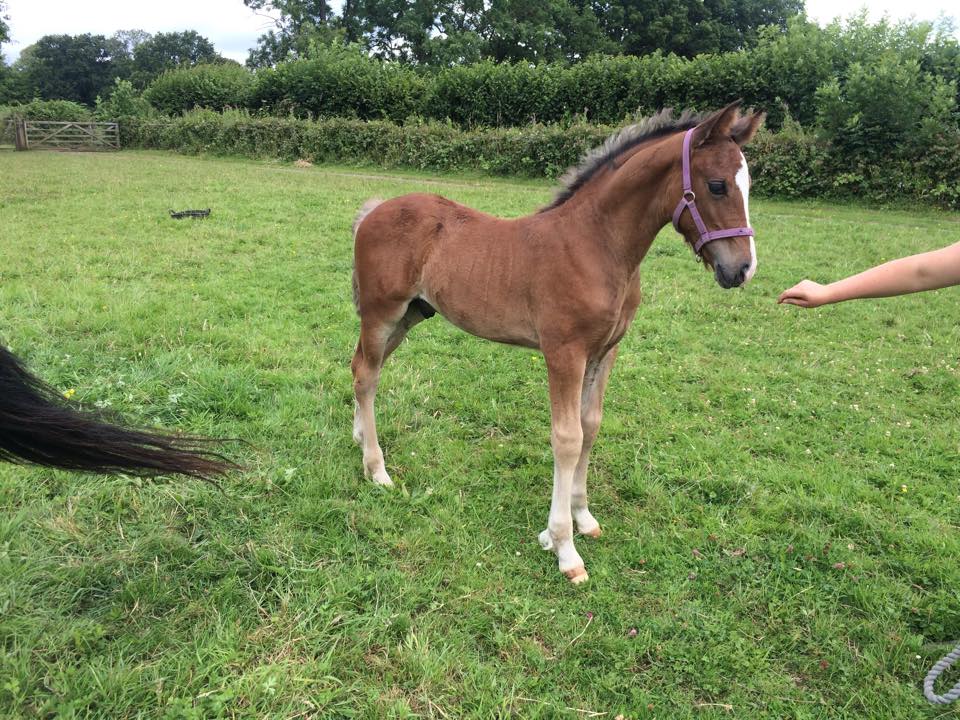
(743, 182)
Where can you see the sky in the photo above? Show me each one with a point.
(823, 11)
(228, 24)
(234, 29)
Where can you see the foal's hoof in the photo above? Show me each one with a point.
(594, 532)
(379, 476)
(577, 575)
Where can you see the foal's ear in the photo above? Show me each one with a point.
(718, 125)
(746, 127)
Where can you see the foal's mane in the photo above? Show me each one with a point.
(656, 126)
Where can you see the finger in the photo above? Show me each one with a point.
(798, 301)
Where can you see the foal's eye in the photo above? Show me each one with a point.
(717, 187)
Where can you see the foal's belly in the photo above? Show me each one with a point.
(491, 321)
(483, 298)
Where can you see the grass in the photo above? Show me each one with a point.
(778, 488)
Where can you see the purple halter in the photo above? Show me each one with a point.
(688, 201)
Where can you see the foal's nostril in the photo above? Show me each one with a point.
(725, 277)
(742, 275)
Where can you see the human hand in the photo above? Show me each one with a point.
(806, 294)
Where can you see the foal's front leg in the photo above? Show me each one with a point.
(565, 368)
(591, 412)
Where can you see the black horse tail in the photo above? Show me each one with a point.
(38, 425)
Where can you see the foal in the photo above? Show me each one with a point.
(564, 281)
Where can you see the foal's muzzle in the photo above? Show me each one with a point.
(731, 277)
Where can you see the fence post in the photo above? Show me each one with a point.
(20, 130)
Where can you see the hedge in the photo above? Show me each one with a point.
(50, 110)
(785, 69)
(535, 151)
(342, 83)
(791, 163)
(881, 99)
(215, 86)
(601, 89)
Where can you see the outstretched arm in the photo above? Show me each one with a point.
(926, 271)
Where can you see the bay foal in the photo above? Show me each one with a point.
(564, 281)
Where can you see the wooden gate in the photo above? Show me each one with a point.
(49, 135)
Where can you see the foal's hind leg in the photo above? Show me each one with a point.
(411, 317)
(366, 365)
(591, 412)
(377, 340)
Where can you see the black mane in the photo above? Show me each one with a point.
(651, 128)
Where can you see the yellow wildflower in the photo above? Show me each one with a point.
(69, 393)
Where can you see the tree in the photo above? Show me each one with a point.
(68, 67)
(166, 51)
(298, 26)
(689, 27)
(4, 26)
(122, 101)
(423, 31)
(6, 91)
(131, 39)
(538, 31)
(445, 32)
(121, 46)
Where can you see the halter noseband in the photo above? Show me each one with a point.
(689, 201)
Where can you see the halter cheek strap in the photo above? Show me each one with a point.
(688, 202)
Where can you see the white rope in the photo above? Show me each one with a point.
(935, 672)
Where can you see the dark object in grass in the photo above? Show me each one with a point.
(38, 426)
(179, 215)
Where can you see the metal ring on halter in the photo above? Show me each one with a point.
(690, 196)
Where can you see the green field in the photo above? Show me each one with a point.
(778, 488)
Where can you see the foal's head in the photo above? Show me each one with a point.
(720, 186)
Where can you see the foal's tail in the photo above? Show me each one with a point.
(38, 426)
(368, 207)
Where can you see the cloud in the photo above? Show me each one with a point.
(823, 11)
(228, 24)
